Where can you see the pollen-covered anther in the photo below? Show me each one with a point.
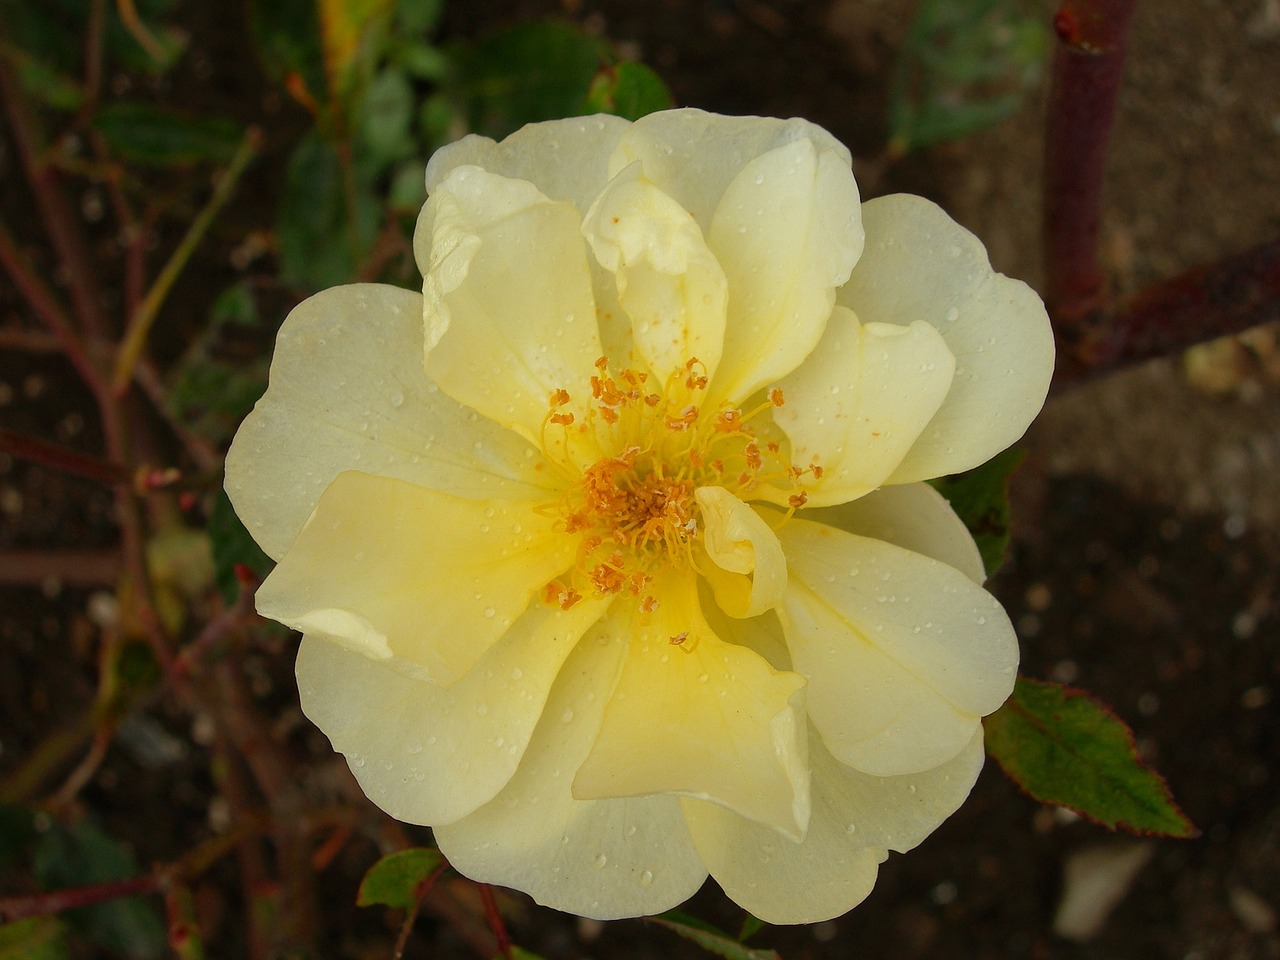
(685, 418)
(798, 500)
(776, 398)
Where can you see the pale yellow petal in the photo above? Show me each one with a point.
(596, 858)
(347, 390)
(565, 159)
(429, 754)
(859, 402)
(856, 819)
(921, 265)
(913, 516)
(667, 280)
(694, 715)
(507, 300)
(748, 571)
(787, 232)
(390, 569)
(904, 655)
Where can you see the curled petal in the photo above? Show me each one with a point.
(667, 280)
(390, 569)
(694, 715)
(595, 858)
(859, 402)
(787, 232)
(429, 754)
(748, 571)
(507, 300)
(347, 389)
(913, 516)
(920, 265)
(856, 819)
(904, 655)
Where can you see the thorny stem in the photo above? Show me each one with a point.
(1087, 69)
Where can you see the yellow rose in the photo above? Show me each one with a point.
(610, 549)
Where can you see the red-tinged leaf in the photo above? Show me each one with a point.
(393, 881)
(1067, 748)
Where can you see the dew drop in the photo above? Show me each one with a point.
(646, 878)
(397, 399)
(567, 716)
(490, 613)
(600, 861)
(516, 673)
(631, 830)
(481, 709)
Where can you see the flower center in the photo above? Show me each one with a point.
(633, 461)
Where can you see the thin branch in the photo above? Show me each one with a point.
(494, 916)
(135, 337)
(62, 458)
(1087, 69)
(79, 568)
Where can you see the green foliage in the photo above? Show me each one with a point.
(156, 137)
(965, 65)
(36, 938)
(1069, 749)
(711, 938)
(394, 880)
(751, 925)
(286, 36)
(83, 854)
(981, 498)
(233, 545)
(630, 90)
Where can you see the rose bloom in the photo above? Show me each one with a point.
(611, 550)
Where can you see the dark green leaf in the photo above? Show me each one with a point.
(158, 137)
(17, 832)
(751, 925)
(527, 73)
(965, 65)
(48, 85)
(629, 90)
(981, 498)
(36, 938)
(286, 36)
(393, 881)
(385, 117)
(416, 18)
(1069, 749)
(520, 953)
(422, 61)
(83, 854)
(232, 545)
(711, 938)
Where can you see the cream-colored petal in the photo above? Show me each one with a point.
(904, 655)
(856, 819)
(919, 264)
(429, 754)
(507, 300)
(693, 155)
(565, 159)
(787, 232)
(913, 516)
(694, 715)
(748, 571)
(667, 280)
(347, 390)
(390, 569)
(860, 401)
(597, 858)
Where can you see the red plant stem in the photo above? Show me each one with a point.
(55, 901)
(424, 889)
(1087, 69)
(63, 458)
(1205, 302)
(79, 568)
(494, 916)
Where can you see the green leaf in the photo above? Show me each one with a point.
(710, 938)
(36, 938)
(751, 925)
(981, 498)
(157, 137)
(232, 545)
(416, 18)
(48, 85)
(393, 881)
(1066, 748)
(83, 854)
(519, 953)
(286, 36)
(352, 31)
(630, 90)
(385, 118)
(422, 61)
(526, 73)
(965, 65)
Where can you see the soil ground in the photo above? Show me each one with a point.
(1148, 513)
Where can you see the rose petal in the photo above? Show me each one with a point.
(507, 297)
(856, 819)
(787, 232)
(747, 571)
(347, 389)
(904, 655)
(694, 715)
(920, 264)
(595, 858)
(667, 280)
(388, 568)
(428, 754)
(913, 516)
(860, 401)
